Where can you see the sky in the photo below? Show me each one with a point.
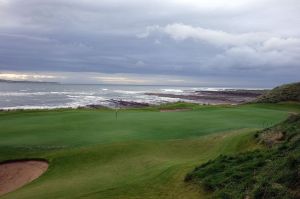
(236, 43)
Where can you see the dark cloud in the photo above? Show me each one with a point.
(234, 41)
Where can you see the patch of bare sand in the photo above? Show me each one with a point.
(16, 174)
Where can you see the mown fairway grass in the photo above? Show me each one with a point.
(143, 154)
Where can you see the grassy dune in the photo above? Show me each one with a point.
(269, 172)
(143, 154)
(283, 93)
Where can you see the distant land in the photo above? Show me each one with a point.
(23, 81)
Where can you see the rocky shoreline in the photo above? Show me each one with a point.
(128, 104)
(216, 97)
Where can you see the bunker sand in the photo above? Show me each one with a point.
(14, 175)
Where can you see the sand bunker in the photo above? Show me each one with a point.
(16, 174)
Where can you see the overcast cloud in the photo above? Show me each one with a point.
(188, 42)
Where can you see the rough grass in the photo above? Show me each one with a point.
(272, 172)
(143, 154)
(284, 93)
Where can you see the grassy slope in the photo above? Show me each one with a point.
(287, 92)
(272, 172)
(144, 154)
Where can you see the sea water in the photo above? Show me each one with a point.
(50, 95)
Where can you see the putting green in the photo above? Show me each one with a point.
(142, 154)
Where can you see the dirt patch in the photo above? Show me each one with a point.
(272, 137)
(175, 110)
(16, 174)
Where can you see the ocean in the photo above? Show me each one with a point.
(50, 96)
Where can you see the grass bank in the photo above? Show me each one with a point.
(269, 172)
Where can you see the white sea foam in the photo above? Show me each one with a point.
(21, 93)
(128, 92)
(172, 90)
(77, 101)
(44, 93)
